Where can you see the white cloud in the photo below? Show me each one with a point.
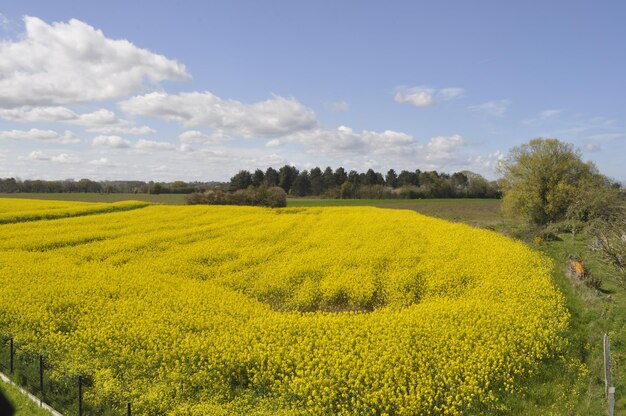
(4, 22)
(62, 158)
(115, 142)
(417, 97)
(273, 143)
(495, 108)
(195, 136)
(426, 96)
(338, 107)
(103, 161)
(442, 147)
(72, 62)
(272, 117)
(38, 155)
(43, 135)
(592, 147)
(345, 141)
(115, 130)
(451, 93)
(153, 145)
(549, 113)
(543, 116)
(486, 163)
(60, 114)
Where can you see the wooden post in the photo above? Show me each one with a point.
(128, 413)
(41, 375)
(11, 354)
(607, 365)
(80, 396)
(611, 401)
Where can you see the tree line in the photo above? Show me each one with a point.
(12, 185)
(339, 183)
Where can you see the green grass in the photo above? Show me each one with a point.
(22, 405)
(482, 213)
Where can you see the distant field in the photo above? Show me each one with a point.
(168, 199)
(476, 212)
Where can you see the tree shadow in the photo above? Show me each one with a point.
(6, 408)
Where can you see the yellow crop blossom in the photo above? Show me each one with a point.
(242, 310)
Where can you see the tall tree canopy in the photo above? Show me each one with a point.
(542, 178)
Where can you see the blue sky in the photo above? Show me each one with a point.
(197, 91)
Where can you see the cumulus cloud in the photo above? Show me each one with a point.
(115, 142)
(338, 107)
(103, 161)
(62, 158)
(72, 62)
(275, 116)
(444, 148)
(495, 108)
(153, 145)
(195, 136)
(426, 96)
(345, 141)
(116, 130)
(486, 163)
(43, 135)
(60, 114)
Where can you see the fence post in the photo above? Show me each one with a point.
(128, 410)
(607, 365)
(611, 401)
(80, 396)
(11, 353)
(41, 374)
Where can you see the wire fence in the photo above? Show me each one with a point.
(33, 372)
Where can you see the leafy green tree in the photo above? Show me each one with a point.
(392, 178)
(370, 177)
(258, 177)
(328, 179)
(542, 178)
(407, 178)
(340, 176)
(271, 177)
(302, 184)
(316, 181)
(241, 180)
(286, 175)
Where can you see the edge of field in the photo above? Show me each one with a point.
(21, 404)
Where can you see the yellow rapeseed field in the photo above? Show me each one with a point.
(197, 310)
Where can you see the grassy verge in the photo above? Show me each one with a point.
(21, 405)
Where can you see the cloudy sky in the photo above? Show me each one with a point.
(197, 91)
